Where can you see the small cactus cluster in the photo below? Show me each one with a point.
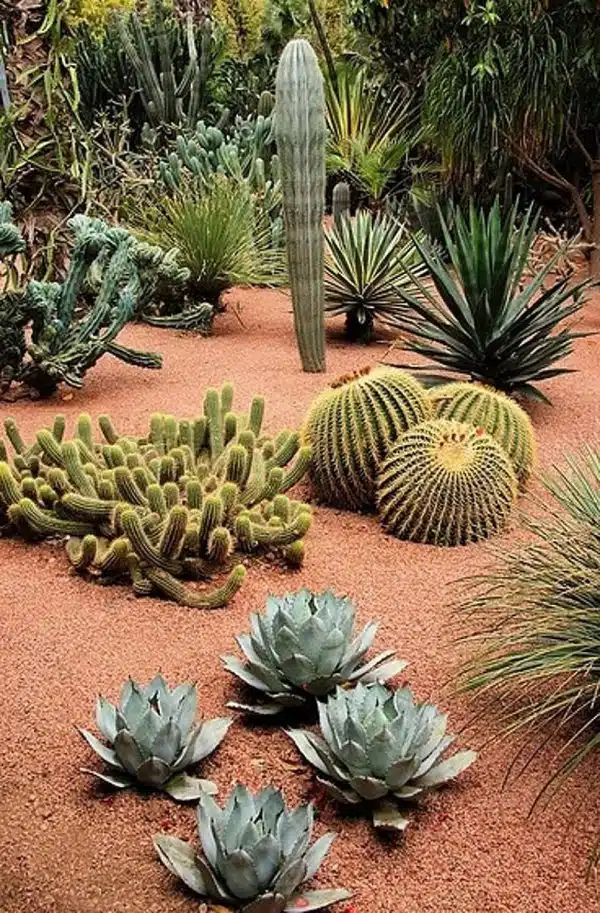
(176, 504)
(351, 426)
(497, 413)
(446, 483)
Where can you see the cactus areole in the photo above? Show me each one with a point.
(301, 134)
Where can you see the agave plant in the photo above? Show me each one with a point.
(379, 747)
(536, 620)
(367, 262)
(482, 318)
(254, 854)
(302, 647)
(152, 739)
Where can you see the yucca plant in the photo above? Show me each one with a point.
(254, 855)
(367, 260)
(482, 318)
(536, 614)
(219, 236)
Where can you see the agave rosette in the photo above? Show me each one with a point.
(301, 647)
(152, 739)
(254, 854)
(380, 747)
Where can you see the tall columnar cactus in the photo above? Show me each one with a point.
(340, 202)
(177, 504)
(301, 135)
(501, 417)
(446, 483)
(351, 426)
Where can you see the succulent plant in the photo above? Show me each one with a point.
(497, 413)
(351, 426)
(152, 738)
(446, 483)
(340, 202)
(254, 854)
(380, 747)
(300, 132)
(302, 647)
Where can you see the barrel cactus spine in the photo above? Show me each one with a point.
(300, 132)
(446, 483)
(497, 413)
(351, 426)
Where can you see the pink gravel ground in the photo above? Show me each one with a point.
(66, 847)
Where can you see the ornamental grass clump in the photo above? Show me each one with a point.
(152, 739)
(254, 855)
(301, 648)
(379, 748)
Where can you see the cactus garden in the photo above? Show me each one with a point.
(299, 460)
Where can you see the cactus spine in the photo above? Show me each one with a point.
(340, 202)
(446, 483)
(301, 134)
(501, 417)
(351, 426)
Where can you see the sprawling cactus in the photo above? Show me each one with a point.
(14, 318)
(501, 417)
(301, 134)
(175, 504)
(152, 739)
(340, 202)
(351, 426)
(302, 647)
(446, 483)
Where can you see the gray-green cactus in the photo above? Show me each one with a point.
(151, 739)
(301, 648)
(254, 854)
(380, 748)
(301, 135)
(340, 202)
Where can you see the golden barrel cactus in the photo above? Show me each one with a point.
(350, 427)
(497, 413)
(446, 483)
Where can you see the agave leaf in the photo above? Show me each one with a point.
(438, 751)
(106, 719)
(185, 712)
(407, 792)
(258, 709)
(129, 752)
(134, 705)
(317, 853)
(215, 889)
(158, 690)
(148, 729)
(203, 741)
(268, 903)
(166, 745)
(107, 754)
(240, 875)
(388, 816)
(266, 858)
(207, 812)
(184, 788)
(383, 672)
(235, 666)
(313, 748)
(116, 779)
(369, 788)
(153, 772)
(290, 877)
(179, 858)
(298, 669)
(316, 900)
(346, 796)
(447, 770)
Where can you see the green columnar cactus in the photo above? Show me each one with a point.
(446, 483)
(351, 426)
(266, 103)
(340, 202)
(176, 504)
(301, 134)
(499, 415)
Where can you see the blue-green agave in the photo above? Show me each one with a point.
(380, 747)
(302, 647)
(254, 854)
(152, 739)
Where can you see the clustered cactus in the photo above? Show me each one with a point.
(301, 648)
(492, 410)
(178, 503)
(446, 483)
(351, 426)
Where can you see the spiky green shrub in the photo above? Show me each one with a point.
(482, 318)
(380, 748)
(221, 242)
(534, 619)
(445, 483)
(302, 647)
(351, 426)
(499, 415)
(365, 263)
(178, 503)
(254, 854)
(150, 738)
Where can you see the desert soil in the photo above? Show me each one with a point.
(67, 847)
